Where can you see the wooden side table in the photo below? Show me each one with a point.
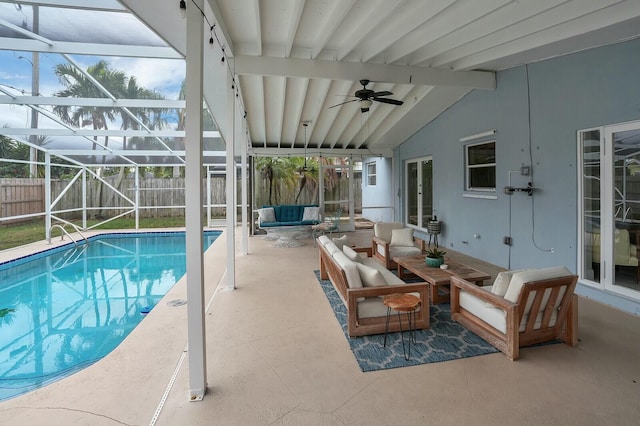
(402, 303)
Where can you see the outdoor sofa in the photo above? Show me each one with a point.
(361, 283)
(288, 215)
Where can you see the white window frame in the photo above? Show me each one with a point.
(468, 167)
(372, 177)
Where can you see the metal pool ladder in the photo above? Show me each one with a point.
(65, 232)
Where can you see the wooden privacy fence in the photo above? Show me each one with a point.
(158, 197)
(21, 197)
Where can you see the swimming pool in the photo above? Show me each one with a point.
(72, 305)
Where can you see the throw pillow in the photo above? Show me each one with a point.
(266, 215)
(370, 277)
(501, 283)
(341, 242)
(311, 213)
(351, 254)
(402, 237)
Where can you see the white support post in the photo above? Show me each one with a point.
(208, 197)
(245, 198)
(47, 195)
(137, 195)
(193, 199)
(230, 187)
(84, 197)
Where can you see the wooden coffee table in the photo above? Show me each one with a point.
(438, 279)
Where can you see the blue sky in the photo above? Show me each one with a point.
(164, 76)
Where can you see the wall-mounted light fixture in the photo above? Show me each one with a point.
(528, 189)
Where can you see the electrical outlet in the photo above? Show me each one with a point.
(525, 170)
(507, 240)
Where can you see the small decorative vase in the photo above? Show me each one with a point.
(434, 262)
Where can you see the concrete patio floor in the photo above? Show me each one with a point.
(277, 356)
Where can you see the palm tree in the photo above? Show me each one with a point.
(79, 86)
(153, 118)
(272, 169)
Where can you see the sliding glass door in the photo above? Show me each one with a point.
(610, 213)
(419, 191)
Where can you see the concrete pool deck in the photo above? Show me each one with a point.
(276, 356)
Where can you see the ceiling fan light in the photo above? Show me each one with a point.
(365, 104)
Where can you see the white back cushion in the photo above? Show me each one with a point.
(341, 241)
(402, 237)
(311, 213)
(349, 268)
(383, 229)
(501, 283)
(520, 278)
(370, 277)
(352, 254)
(266, 215)
(323, 240)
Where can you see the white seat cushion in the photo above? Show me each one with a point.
(496, 317)
(397, 251)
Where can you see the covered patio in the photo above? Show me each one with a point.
(277, 355)
(274, 353)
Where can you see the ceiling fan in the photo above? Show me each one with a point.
(367, 96)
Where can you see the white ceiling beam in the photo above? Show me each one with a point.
(296, 15)
(376, 16)
(325, 152)
(568, 20)
(258, 23)
(332, 23)
(26, 45)
(406, 20)
(102, 132)
(511, 14)
(94, 102)
(353, 71)
(459, 15)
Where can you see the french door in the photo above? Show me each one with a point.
(419, 191)
(610, 208)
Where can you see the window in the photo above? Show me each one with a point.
(480, 167)
(371, 174)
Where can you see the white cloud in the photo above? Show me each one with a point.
(163, 75)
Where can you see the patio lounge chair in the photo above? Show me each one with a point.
(521, 308)
(393, 239)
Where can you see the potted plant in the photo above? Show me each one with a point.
(435, 257)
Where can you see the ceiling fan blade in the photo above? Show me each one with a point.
(383, 93)
(388, 101)
(342, 103)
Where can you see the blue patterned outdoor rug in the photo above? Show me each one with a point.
(444, 341)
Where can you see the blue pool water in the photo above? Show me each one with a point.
(73, 305)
